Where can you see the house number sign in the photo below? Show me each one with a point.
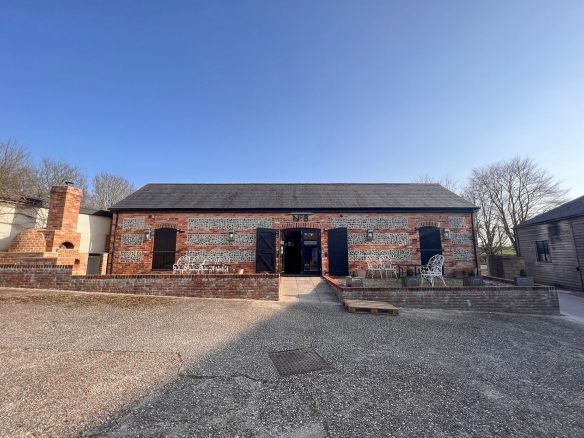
(299, 217)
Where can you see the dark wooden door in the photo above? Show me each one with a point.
(93, 264)
(164, 252)
(430, 243)
(265, 250)
(338, 251)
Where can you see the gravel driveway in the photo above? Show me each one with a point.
(107, 365)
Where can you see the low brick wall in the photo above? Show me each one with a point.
(542, 300)
(505, 266)
(245, 286)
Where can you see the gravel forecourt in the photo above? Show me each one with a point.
(118, 365)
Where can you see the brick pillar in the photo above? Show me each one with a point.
(64, 208)
(63, 216)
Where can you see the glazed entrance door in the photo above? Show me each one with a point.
(301, 251)
(310, 252)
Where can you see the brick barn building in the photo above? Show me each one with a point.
(298, 229)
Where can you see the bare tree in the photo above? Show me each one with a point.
(109, 189)
(516, 190)
(491, 236)
(446, 181)
(16, 170)
(53, 173)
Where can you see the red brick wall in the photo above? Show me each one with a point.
(280, 221)
(542, 300)
(247, 286)
(64, 208)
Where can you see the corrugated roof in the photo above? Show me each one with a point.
(564, 211)
(291, 197)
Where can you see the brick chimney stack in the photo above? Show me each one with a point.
(61, 229)
(64, 208)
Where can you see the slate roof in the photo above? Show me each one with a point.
(564, 211)
(298, 197)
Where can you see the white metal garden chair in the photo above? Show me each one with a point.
(373, 266)
(433, 269)
(181, 265)
(387, 266)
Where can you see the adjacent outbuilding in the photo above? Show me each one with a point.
(552, 245)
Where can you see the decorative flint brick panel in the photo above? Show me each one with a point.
(134, 223)
(132, 239)
(379, 239)
(232, 223)
(462, 254)
(456, 222)
(461, 238)
(254, 286)
(221, 239)
(370, 223)
(399, 255)
(541, 300)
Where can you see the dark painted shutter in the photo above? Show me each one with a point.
(338, 251)
(430, 243)
(265, 250)
(164, 251)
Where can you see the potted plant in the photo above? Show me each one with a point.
(471, 279)
(353, 280)
(523, 279)
(410, 280)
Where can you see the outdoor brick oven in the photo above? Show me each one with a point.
(299, 229)
(57, 243)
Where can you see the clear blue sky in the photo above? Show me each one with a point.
(303, 91)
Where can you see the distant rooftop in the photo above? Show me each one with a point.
(28, 201)
(564, 211)
(338, 196)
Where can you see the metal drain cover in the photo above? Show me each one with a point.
(302, 360)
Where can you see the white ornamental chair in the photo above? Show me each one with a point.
(195, 266)
(433, 269)
(373, 266)
(181, 265)
(388, 266)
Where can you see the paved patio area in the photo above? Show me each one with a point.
(306, 290)
(111, 365)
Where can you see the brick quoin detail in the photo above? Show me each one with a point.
(404, 223)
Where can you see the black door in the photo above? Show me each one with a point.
(430, 243)
(338, 251)
(265, 250)
(164, 252)
(292, 257)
